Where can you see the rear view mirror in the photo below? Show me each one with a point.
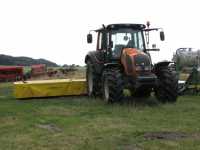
(125, 38)
(89, 38)
(162, 36)
(154, 46)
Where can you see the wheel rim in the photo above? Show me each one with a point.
(90, 82)
(106, 90)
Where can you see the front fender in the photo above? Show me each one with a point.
(161, 64)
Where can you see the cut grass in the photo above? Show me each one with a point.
(81, 123)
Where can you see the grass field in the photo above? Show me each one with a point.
(79, 123)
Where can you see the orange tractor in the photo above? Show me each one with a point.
(122, 61)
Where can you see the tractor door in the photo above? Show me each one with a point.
(101, 46)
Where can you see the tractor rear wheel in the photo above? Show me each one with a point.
(112, 86)
(166, 89)
(92, 80)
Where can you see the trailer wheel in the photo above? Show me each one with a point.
(166, 89)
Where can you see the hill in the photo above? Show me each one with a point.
(24, 61)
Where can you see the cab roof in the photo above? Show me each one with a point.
(122, 26)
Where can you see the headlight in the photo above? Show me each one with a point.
(138, 68)
(143, 68)
(147, 68)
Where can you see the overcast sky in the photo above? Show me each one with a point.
(57, 29)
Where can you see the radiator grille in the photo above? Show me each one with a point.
(142, 60)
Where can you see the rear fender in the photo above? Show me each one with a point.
(90, 57)
(98, 66)
(111, 65)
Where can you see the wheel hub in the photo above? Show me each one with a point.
(106, 90)
(90, 82)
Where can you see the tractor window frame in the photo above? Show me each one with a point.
(135, 36)
(102, 41)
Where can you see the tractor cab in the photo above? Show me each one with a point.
(113, 38)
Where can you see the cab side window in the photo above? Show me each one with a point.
(102, 41)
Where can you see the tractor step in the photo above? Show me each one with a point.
(49, 88)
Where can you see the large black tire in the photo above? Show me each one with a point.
(166, 89)
(112, 86)
(93, 80)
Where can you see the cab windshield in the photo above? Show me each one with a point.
(126, 38)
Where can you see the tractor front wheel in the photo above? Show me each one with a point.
(166, 89)
(112, 86)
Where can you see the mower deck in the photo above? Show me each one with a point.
(49, 88)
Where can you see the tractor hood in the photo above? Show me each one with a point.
(135, 62)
